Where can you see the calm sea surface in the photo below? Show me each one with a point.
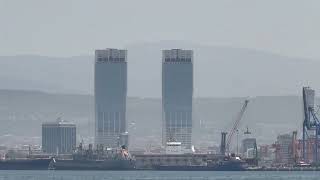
(148, 175)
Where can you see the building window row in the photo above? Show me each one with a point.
(178, 119)
(109, 122)
(111, 59)
(177, 59)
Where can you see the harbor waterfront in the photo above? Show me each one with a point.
(111, 148)
(157, 175)
(159, 90)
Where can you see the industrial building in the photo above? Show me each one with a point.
(177, 96)
(110, 91)
(247, 145)
(267, 155)
(58, 137)
(124, 139)
(284, 149)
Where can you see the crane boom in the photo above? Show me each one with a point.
(236, 123)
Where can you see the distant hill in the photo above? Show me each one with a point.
(219, 72)
(22, 112)
(48, 74)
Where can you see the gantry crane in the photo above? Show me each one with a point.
(310, 122)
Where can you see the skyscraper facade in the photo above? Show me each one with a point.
(177, 95)
(110, 91)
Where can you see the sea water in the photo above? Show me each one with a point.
(156, 175)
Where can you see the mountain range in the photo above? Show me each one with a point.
(218, 72)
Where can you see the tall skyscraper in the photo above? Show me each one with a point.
(110, 83)
(177, 94)
(58, 137)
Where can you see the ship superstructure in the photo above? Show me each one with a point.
(96, 159)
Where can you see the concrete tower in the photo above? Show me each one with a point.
(110, 91)
(177, 94)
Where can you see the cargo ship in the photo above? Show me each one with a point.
(99, 159)
(227, 164)
(30, 161)
(92, 165)
(25, 164)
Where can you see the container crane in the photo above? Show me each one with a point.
(310, 122)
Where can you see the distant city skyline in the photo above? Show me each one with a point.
(165, 85)
(60, 28)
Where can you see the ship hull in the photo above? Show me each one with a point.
(224, 166)
(93, 165)
(25, 164)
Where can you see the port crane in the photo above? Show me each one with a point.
(226, 141)
(310, 122)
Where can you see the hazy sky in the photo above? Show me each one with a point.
(77, 27)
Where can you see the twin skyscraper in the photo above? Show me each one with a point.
(110, 89)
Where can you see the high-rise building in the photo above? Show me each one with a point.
(58, 137)
(110, 91)
(177, 94)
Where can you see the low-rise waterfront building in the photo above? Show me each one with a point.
(58, 137)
